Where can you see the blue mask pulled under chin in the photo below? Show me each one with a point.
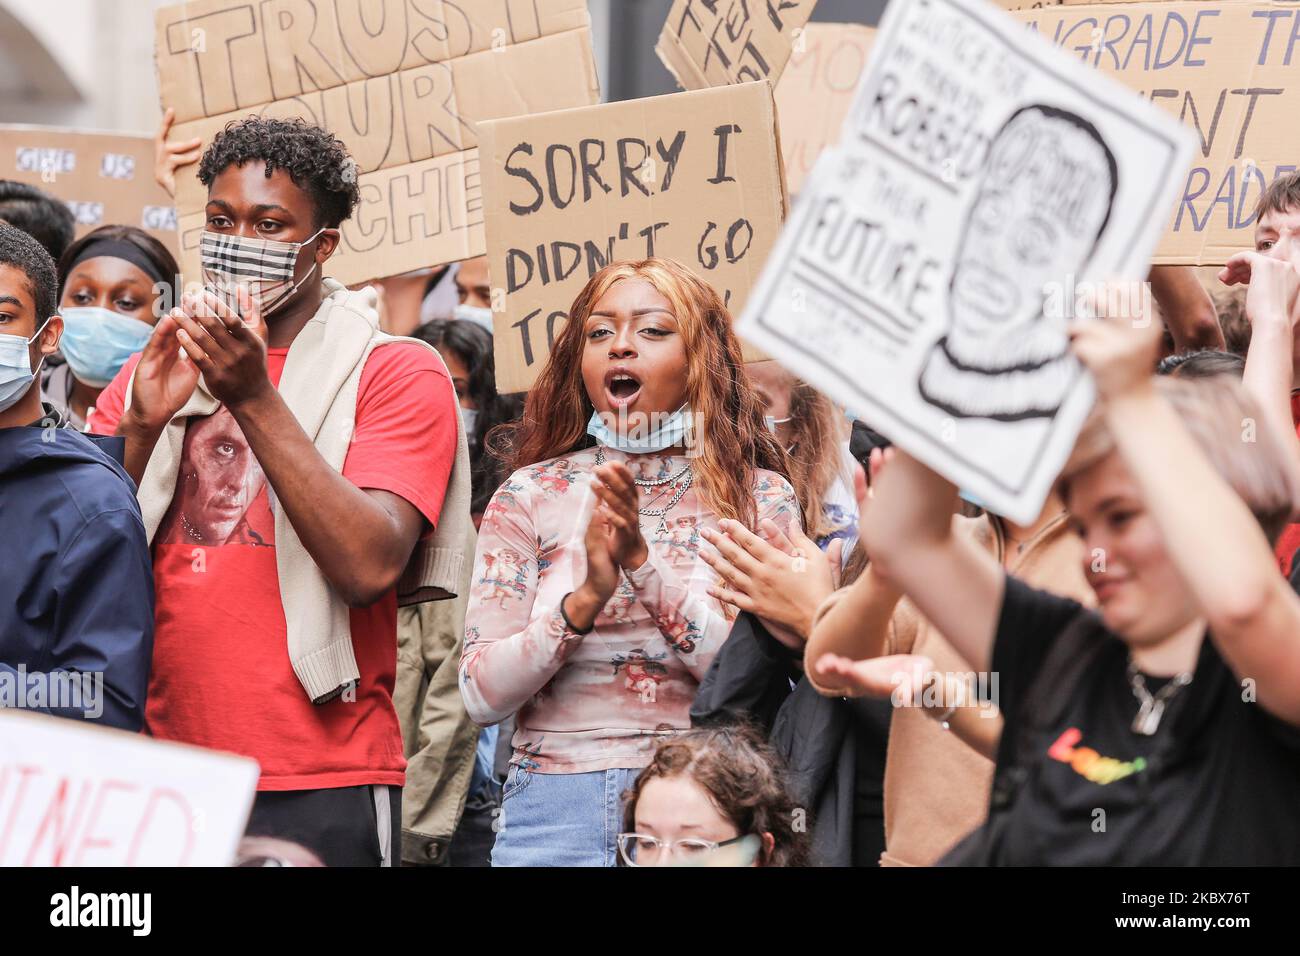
(642, 434)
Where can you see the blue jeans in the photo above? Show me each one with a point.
(561, 819)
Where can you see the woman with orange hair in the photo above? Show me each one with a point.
(589, 613)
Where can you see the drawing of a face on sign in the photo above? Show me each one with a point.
(1038, 214)
(218, 483)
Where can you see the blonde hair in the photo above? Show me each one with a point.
(1219, 415)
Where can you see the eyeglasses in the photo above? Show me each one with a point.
(640, 849)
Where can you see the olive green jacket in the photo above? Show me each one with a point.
(438, 737)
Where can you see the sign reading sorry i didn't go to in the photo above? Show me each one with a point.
(691, 176)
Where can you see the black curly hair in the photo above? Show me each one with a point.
(315, 159)
(472, 344)
(48, 220)
(745, 778)
(24, 253)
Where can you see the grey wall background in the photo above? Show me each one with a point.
(633, 70)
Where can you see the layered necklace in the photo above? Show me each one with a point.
(683, 477)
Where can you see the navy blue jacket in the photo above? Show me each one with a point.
(76, 580)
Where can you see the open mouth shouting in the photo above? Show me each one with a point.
(622, 387)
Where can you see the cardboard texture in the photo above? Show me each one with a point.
(1048, 4)
(691, 176)
(401, 82)
(90, 796)
(720, 42)
(105, 178)
(815, 91)
(927, 275)
(1230, 71)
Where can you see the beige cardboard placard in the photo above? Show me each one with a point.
(1230, 70)
(815, 91)
(401, 82)
(691, 176)
(105, 178)
(720, 42)
(1048, 4)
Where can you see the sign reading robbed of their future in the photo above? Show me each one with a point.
(400, 82)
(690, 176)
(720, 42)
(1228, 70)
(927, 275)
(105, 178)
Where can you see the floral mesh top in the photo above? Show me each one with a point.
(604, 699)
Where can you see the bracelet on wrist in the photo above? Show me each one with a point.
(568, 623)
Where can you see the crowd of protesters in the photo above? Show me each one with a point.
(667, 608)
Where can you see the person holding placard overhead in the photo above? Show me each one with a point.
(589, 613)
(291, 465)
(1164, 727)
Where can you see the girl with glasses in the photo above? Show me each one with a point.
(716, 796)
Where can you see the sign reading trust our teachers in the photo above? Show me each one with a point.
(402, 83)
(927, 274)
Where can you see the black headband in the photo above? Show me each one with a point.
(120, 249)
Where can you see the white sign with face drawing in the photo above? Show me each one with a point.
(932, 263)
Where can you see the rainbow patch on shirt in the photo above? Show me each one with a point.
(1089, 764)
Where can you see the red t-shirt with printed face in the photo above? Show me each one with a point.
(221, 675)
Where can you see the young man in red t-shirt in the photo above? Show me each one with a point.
(222, 677)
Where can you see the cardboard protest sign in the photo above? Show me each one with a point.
(720, 42)
(1045, 4)
(927, 274)
(105, 178)
(815, 91)
(1230, 70)
(72, 794)
(690, 176)
(401, 82)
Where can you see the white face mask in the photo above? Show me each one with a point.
(474, 313)
(16, 372)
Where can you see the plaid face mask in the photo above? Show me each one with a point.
(263, 266)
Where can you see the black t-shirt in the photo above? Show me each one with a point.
(1217, 784)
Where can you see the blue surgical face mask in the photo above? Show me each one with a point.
(16, 372)
(771, 422)
(639, 438)
(474, 313)
(97, 342)
(470, 418)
